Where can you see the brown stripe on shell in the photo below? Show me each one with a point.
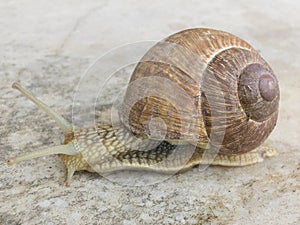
(181, 58)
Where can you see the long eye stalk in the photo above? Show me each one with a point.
(64, 125)
(68, 149)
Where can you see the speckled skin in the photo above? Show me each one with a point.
(106, 149)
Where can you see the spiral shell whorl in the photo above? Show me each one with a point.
(258, 91)
(241, 129)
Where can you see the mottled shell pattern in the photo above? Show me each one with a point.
(234, 92)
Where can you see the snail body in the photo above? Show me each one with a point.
(234, 107)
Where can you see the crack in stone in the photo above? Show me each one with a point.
(77, 24)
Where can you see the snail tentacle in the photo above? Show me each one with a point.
(68, 149)
(63, 124)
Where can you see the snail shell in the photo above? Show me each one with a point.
(243, 90)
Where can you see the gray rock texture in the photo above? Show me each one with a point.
(48, 46)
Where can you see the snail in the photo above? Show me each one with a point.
(235, 99)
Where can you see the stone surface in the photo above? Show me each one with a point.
(48, 45)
